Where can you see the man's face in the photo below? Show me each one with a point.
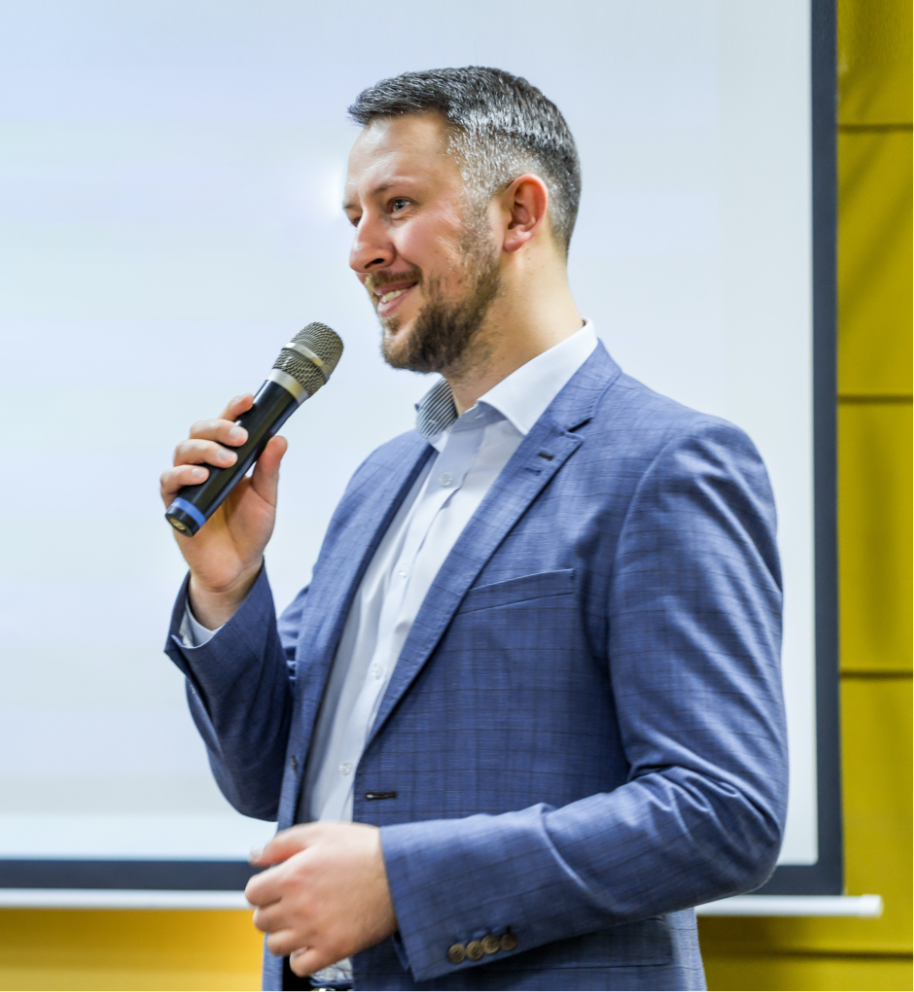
(428, 259)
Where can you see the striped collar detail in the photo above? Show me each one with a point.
(436, 411)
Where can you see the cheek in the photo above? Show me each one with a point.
(432, 243)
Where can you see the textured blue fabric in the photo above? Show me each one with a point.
(585, 728)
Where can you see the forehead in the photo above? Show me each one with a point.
(411, 148)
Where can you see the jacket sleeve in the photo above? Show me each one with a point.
(693, 647)
(239, 686)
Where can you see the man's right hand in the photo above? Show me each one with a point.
(225, 556)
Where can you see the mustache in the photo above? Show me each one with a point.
(380, 278)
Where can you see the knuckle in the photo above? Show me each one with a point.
(206, 428)
(302, 966)
(184, 452)
(276, 944)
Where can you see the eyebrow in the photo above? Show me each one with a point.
(382, 188)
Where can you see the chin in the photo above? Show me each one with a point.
(395, 342)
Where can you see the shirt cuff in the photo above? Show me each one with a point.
(192, 633)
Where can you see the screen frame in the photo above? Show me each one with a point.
(825, 876)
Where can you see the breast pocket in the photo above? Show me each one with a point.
(520, 590)
(518, 626)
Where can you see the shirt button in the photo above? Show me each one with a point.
(376, 670)
(508, 941)
(456, 954)
(490, 943)
(345, 767)
(403, 573)
(446, 479)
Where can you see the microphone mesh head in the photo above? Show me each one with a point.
(319, 339)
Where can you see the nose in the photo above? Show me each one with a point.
(371, 247)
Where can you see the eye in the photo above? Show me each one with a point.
(353, 219)
(398, 203)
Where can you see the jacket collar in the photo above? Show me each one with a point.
(521, 397)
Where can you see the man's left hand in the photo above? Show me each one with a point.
(326, 896)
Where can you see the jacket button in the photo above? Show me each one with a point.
(508, 941)
(474, 950)
(457, 953)
(490, 943)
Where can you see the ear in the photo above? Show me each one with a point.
(524, 202)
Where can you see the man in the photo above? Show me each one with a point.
(537, 665)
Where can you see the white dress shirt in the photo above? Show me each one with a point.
(471, 451)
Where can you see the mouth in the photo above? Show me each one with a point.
(389, 296)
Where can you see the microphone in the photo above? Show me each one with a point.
(303, 366)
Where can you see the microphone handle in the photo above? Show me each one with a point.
(194, 505)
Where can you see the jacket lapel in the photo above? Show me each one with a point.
(364, 522)
(518, 485)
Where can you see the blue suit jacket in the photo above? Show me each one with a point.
(585, 728)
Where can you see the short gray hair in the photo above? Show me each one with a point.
(501, 127)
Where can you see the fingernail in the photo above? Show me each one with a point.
(255, 854)
(198, 473)
(237, 434)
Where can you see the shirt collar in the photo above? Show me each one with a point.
(523, 396)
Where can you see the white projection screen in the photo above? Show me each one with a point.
(170, 183)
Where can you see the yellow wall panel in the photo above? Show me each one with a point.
(874, 263)
(875, 539)
(876, 751)
(128, 949)
(106, 979)
(876, 762)
(811, 972)
(874, 61)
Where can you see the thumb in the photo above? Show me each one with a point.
(283, 845)
(265, 479)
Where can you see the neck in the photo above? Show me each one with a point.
(525, 320)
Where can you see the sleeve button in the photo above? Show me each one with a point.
(508, 941)
(474, 950)
(457, 953)
(490, 944)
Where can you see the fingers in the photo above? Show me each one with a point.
(264, 889)
(285, 943)
(172, 479)
(307, 961)
(285, 843)
(265, 479)
(324, 898)
(210, 443)
(237, 406)
(191, 460)
(271, 918)
(272, 455)
(210, 440)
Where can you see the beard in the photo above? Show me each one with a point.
(446, 335)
